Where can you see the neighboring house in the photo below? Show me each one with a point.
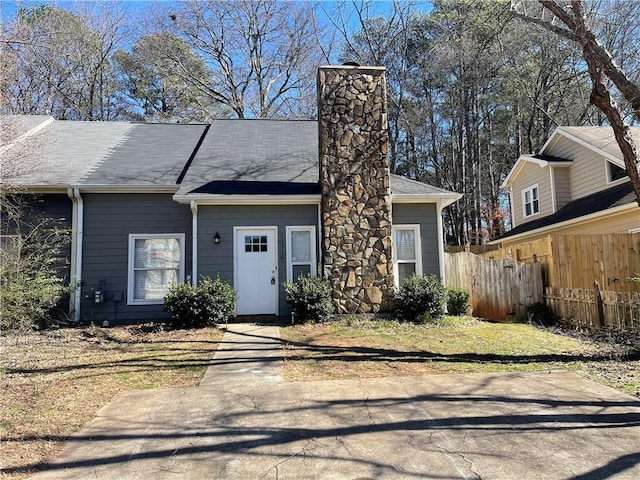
(256, 202)
(576, 184)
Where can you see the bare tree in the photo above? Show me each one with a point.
(56, 62)
(263, 54)
(569, 20)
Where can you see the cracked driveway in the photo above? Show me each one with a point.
(244, 422)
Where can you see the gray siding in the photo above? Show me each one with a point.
(111, 218)
(108, 221)
(426, 216)
(59, 209)
(217, 259)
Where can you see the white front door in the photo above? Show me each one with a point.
(256, 270)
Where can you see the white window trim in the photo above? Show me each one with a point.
(607, 170)
(312, 245)
(418, 260)
(524, 207)
(130, 271)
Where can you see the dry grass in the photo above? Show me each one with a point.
(356, 348)
(54, 382)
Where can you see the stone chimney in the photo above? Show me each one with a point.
(354, 177)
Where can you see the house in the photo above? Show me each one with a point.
(256, 202)
(576, 184)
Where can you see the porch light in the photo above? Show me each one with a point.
(216, 238)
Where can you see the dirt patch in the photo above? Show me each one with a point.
(53, 382)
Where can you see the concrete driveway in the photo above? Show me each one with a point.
(244, 422)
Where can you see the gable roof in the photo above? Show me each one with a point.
(266, 151)
(599, 139)
(65, 153)
(602, 201)
(226, 157)
(538, 159)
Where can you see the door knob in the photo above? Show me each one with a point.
(273, 280)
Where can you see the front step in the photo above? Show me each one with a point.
(258, 319)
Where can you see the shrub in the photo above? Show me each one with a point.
(457, 301)
(32, 264)
(310, 298)
(540, 314)
(27, 299)
(421, 298)
(196, 306)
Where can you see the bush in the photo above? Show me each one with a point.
(27, 299)
(457, 301)
(540, 314)
(32, 264)
(196, 306)
(421, 298)
(310, 298)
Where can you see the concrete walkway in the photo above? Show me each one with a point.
(243, 422)
(247, 354)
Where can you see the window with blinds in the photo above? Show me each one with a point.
(301, 252)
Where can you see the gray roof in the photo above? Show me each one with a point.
(105, 153)
(148, 154)
(64, 152)
(14, 126)
(616, 196)
(406, 186)
(255, 151)
(225, 157)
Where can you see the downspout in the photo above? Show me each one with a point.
(194, 242)
(552, 181)
(440, 230)
(77, 223)
(319, 243)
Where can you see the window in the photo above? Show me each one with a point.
(530, 201)
(614, 172)
(255, 243)
(406, 252)
(155, 262)
(301, 252)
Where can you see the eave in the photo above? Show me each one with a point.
(558, 132)
(444, 199)
(218, 199)
(523, 159)
(63, 187)
(567, 223)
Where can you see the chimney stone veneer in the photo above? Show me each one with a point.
(354, 177)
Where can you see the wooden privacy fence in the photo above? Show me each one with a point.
(577, 261)
(498, 288)
(611, 260)
(595, 307)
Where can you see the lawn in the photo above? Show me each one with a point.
(53, 382)
(353, 348)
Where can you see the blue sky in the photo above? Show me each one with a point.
(8, 8)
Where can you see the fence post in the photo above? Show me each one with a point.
(599, 303)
